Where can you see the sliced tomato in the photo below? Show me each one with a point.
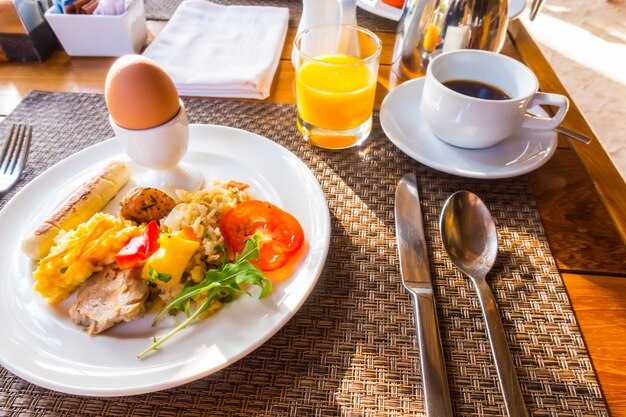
(139, 248)
(281, 234)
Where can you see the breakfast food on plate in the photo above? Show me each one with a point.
(237, 229)
(167, 265)
(109, 297)
(175, 254)
(78, 253)
(144, 204)
(80, 206)
(139, 94)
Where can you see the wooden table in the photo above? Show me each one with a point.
(580, 195)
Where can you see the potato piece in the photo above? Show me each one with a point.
(143, 205)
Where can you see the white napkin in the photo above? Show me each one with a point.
(221, 51)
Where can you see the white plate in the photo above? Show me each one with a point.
(42, 345)
(404, 125)
(516, 7)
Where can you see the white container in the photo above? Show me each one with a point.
(91, 35)
(160, 149)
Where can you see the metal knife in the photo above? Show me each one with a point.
(416, 279)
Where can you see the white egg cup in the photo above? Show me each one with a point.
(160, 149)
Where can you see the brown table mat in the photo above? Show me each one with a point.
(164, 9)
(351, 348)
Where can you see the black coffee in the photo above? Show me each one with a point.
(477, 89)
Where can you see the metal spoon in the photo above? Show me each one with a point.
(469, 236)
(573, 134)
(567, 132)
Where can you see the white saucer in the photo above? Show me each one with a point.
(404, 125)
(377, 7)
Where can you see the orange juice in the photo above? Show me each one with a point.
(335, 92)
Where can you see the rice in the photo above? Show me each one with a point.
(203, 211)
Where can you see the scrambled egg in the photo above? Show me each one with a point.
(79, 253)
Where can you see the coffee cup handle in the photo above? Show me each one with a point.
(546, 123)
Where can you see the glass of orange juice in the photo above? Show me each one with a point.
(336, 74)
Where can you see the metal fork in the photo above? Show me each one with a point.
(13, 155)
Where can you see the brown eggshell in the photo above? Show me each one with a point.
(139, 94)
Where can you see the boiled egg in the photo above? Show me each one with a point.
(139, 94)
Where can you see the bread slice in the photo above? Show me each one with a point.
(77, 208)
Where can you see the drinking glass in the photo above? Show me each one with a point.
(336, 76)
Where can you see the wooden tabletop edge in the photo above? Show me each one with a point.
(606, 179)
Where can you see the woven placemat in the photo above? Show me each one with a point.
(351, 349)
(164, 9)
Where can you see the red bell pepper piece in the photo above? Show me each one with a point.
(139, 248)
(191, 234)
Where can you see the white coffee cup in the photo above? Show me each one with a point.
(470, 122)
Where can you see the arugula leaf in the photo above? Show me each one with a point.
(220, 284)
(251, 250)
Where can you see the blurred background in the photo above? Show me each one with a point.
(585, 41)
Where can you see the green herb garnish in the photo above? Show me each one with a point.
(221, 284)
(64, 269)
(157, 276)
